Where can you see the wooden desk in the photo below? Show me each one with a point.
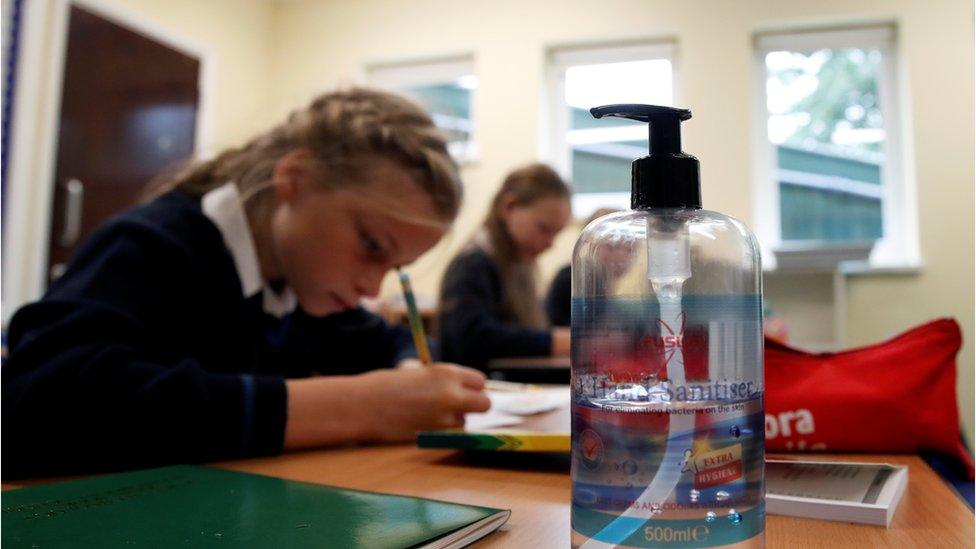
(537, 489)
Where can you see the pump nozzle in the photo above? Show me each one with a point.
(665, 123)
(666, 177)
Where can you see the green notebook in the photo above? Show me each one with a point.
(191, 506)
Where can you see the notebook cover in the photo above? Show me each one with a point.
(193, 506)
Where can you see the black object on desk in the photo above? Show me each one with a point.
(531, 369)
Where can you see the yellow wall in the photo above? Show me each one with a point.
(324, 44)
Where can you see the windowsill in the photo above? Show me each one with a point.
(852, 268)
(820, 256)
(586, 204)
(879, 257)
(893, 269)
(849, 258)
(466, 156)
(467, 161)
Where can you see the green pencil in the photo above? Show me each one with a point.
(416, 325)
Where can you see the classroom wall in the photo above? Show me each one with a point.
(325, 44)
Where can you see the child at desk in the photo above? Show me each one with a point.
(220, 320)
(489, 305)
(559, 297)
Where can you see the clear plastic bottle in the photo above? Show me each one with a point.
(667, 370)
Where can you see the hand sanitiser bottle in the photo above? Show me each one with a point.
(667, 363)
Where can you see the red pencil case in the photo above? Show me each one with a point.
(897, 396)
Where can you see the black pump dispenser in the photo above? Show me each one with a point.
(666, 177)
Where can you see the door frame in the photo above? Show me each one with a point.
(34, 126)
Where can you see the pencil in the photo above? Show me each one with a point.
(416, 326)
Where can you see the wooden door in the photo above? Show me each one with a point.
(128, 113)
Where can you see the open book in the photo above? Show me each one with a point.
(199, 506)
(843, 491)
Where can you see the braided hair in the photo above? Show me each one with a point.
(343, 132)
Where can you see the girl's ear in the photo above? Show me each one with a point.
(506, 204)
(290, 174)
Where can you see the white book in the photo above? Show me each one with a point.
(835, 490)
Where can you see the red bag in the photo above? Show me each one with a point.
(897, 396)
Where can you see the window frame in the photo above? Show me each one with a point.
(397, 75)
(898, 246)
(557, 148)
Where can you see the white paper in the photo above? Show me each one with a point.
(489, 420)
(524, 403)
(508, 407)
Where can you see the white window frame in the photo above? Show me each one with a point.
(402, 74)
(898, 248)
(557, 148)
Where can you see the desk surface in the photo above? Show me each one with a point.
(537, 489)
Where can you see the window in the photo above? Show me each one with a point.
(828, 162)
(446, 89)
(595, 155)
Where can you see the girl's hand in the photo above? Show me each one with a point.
(560, 342)
(405, 401)
(382, 405)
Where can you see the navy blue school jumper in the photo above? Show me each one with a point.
(473, 322)
(150, 350)
(559, 298)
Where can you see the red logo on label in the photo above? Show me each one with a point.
(591, 449)
(672, 339)
(715, 467)
(718, 475)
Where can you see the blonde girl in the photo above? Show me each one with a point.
(220, 320)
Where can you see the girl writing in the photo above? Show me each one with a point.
(220, 319)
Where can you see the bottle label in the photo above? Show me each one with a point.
(668, 424)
